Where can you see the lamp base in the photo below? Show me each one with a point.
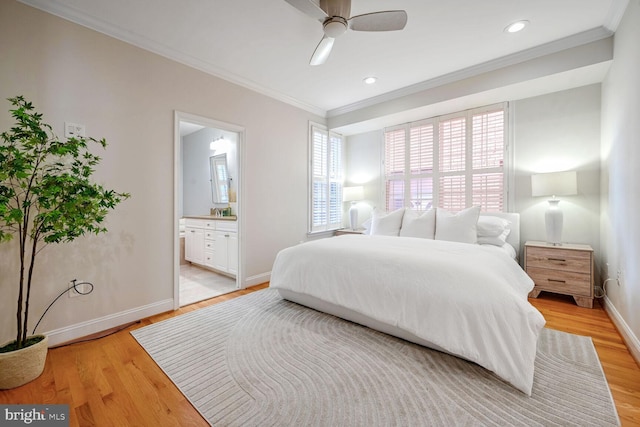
(353, 216)
(553, 221)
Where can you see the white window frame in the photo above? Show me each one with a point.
(332, 179)
(435, 173)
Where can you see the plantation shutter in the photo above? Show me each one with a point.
(421, 139)
(394, 168)
(454, 162)
(326, 180)
(488, 145)
(335, 181)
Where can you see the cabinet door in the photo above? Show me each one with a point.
(220, 251)
(194, 245)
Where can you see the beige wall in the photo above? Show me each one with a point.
(559, 132)
(620, 221)
(129, 96)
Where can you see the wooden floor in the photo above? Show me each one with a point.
(112, 381)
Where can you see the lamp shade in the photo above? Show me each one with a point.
(554, 184)
(352, 194)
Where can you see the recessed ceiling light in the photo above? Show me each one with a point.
(370, 80)
(516, 26)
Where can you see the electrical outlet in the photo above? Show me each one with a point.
(82, 288)
(72, 130)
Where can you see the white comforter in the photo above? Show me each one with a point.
(465, 299)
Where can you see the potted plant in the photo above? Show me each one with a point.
(46, 196)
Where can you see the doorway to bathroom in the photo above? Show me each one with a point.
(207, 208)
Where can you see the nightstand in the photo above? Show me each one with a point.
(343, 231)
(564, 269)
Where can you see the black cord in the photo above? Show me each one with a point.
(122, 328)
(75, 287)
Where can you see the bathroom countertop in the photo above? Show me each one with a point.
(217, 218)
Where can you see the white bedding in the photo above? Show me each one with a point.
(468, 300)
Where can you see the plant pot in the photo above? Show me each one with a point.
(22, 366)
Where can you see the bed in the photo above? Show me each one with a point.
(469, 300)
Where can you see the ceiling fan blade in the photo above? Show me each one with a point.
(309, 7)
(390, 20)
(322, 51)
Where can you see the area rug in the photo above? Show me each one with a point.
(259, 360)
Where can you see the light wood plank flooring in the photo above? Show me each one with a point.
(112, 381)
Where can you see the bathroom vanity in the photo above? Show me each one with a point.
(212, 242)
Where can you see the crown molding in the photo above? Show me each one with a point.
(616, 12)
(496, 64)
(73, 15)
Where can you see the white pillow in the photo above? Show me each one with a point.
(417, 224)
(386, 224)
(459, 227)
(494, 240)
(492, 226)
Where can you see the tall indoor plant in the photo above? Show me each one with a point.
(46, 196)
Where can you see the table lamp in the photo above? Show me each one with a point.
(554, 184)
(353, 195)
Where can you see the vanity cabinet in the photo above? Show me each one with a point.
(212, 243)
(194, 245)
(225, 256)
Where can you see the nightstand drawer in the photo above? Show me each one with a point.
(565, 282)
(559, 259)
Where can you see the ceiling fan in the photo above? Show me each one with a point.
(335, 18)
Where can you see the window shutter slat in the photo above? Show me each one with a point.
(488, 191)
(421, 149)
(452, 144)
(452, 193)
(488, 140)
(395, 194)
(394, 152)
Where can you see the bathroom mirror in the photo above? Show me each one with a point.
(219, 178)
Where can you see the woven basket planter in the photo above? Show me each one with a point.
(22, 366)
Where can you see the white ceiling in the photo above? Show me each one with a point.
(265, 45)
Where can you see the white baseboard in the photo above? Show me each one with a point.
(79, 330)
(632, 342)
(257, 279)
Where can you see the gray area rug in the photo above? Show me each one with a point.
(259, 360)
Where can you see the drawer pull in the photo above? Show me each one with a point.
(557, 259)
(556, 280)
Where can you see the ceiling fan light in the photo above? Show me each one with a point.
(335, 27)
(516, 26)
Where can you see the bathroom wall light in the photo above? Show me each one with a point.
(215, 144)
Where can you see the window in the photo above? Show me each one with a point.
(326, 180)
(453, 162)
